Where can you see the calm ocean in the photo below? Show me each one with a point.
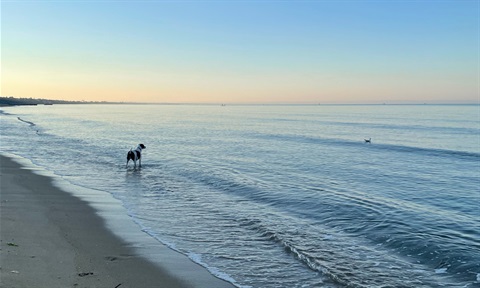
(282, 196)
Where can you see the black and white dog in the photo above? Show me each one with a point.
(135, 155)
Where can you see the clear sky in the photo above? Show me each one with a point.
(242, 51)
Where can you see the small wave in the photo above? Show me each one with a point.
(197, 258)
(429, 151)
(25, 121)
(345, 261)
(310, 261)
(4, 113)
(392, 147)
(441, 270)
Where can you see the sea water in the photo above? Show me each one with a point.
(281, 195)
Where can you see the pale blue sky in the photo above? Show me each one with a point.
(242, 51)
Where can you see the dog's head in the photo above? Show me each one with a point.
(142, 146)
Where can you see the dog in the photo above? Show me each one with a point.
(136, 155)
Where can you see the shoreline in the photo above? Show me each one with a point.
(51, 238)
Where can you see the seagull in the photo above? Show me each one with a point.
(368, 140)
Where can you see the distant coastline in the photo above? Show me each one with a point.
(12, 101)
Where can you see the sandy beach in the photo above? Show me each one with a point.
(50, 238)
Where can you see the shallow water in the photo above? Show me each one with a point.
(282, 196)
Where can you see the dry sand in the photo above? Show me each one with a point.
(50, 238)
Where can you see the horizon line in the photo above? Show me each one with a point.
(379, 103)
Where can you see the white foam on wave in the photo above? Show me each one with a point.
(441, 270)
(146, 230)
(197, 258)
(328, 237)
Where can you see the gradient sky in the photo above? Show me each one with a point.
(242, 51)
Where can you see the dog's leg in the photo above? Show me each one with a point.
(126, 165)
(140, 162)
